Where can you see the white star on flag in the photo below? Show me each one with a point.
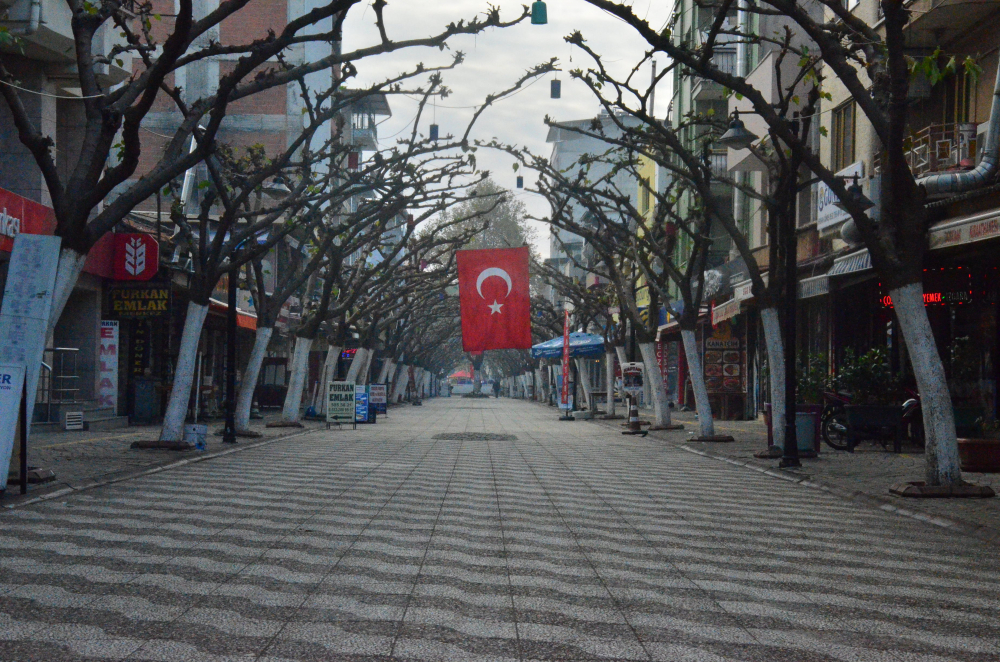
(495, 307)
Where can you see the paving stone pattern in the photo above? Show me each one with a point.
(571, 542)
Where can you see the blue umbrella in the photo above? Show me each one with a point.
(580, 345)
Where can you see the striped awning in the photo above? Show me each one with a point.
(849, 264)
(725, 311)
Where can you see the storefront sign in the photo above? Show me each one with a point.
(340, 402)
(107, 367)
(814, 287)
(18, 214)
(827, 213)
(139, 301)
(743, 291)
(11, 389)
(137, 256)
(140, 350)
(725, 360)
(378, 397)
(964, 230)
(361, 404)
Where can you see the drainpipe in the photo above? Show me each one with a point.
(949, 183)
(34, 20)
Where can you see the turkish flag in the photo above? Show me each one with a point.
(493, 293)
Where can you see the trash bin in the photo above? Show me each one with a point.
(196, 434)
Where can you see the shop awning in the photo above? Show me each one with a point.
(849, 264)
(814, 287)
(244, 319)
(965, 229)
(580, 345)
(725, 311)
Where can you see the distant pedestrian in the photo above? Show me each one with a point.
(496, 388)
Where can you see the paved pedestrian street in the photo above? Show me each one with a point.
(484, 530)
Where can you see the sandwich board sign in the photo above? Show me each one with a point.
(340, 403)
(632, 378)
(361, 404)
(378, 398)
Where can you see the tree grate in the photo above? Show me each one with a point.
(474, 436)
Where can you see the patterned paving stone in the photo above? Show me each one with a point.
(513, 537)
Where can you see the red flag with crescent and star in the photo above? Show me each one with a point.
(493, 293)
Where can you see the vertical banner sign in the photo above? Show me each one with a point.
(564, 400)
(24, 320)
(107, 368)
(340, 402)
(378, 398)
(361, 404)
(11, 388)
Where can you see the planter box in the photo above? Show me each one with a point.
(872, 421)
(979, 455)
(807, 428)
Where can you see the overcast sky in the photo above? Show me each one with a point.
(494, 61)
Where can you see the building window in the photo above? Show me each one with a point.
(843, 136)
(644, 200)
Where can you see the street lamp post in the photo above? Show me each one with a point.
(229, 433)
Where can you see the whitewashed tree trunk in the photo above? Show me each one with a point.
(584, 377)
(477, 384)
(67, 274)
(661, 411)
(941, 445)
(701, 403)
(609, 376)
(356, 365)
(244, 400)
(540, 389)
(366, 369)
(427, 383)
(290, 412)
(384, 371)
(776, 370)
(403, 374)
(187, 356)
(327, 375)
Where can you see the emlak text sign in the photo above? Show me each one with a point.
(107, 368)
(340, 402)
(139, 301)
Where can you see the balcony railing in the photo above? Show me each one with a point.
(939, 147)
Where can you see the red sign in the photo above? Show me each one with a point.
(137, 256)
(494, 299)
(565, 362)
(18, 215)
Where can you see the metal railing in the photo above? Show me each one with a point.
(939, 147)
(58, 381)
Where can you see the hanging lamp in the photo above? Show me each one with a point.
(434, 131)
(737, 136)
(555, 89)
(520, 181)
(539, 13)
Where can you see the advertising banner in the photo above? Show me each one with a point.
(632, 378)
(378, 397)
(107, 366)
(340, 402)
(564, 399)
(11, 388)
(361, 404)
(24, 318)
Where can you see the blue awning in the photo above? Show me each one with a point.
(580, 345)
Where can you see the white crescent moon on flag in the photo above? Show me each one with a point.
(493, 271)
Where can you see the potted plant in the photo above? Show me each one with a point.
(812, 379)
(981, 454)
(876, 396)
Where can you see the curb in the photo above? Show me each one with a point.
(89, 484)
(978, 531)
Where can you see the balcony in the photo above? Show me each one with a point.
(706, 90)
(940, 147)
